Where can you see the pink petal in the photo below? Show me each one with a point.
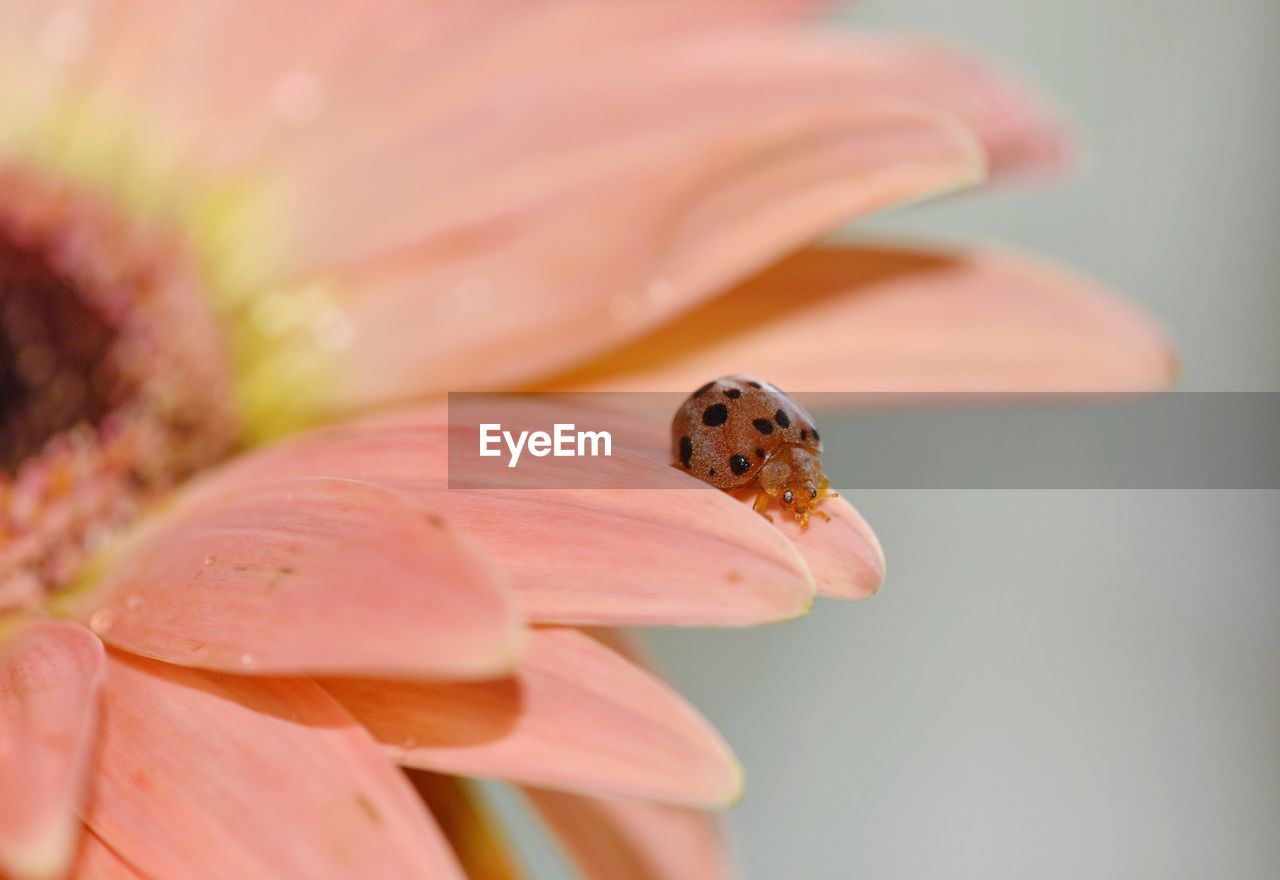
(575, 716)
(435, 147)
(676, 118)
(50, 676)
(533, 292)
(714, 80)
(208, 775)
(884, 319)
(630, 840)
(468, 824)
(315, 575)
(676, 554)
(96, 861)
(666, 556)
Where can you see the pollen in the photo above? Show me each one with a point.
(113, 384)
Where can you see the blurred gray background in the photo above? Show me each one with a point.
(1068, 684)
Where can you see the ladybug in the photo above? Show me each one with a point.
(740, 430)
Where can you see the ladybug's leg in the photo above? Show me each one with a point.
(824, 491)
(823, 494)
(762, 501)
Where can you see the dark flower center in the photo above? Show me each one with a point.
(113, 382)
(56, 365)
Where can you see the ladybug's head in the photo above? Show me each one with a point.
(794, 477)
(799, 496)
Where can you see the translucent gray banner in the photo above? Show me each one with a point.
(1178, 440)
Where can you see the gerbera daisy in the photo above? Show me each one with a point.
(231, 222)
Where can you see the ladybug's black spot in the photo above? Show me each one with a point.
(733, 393)
(764, 426)
(703, 390)
(759, 452)
(739, 464)
(686, 451)
(755, 384)
(816, 438)
(715, 415)
(804, 434)
(783, 420)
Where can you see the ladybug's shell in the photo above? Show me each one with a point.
(727, 429)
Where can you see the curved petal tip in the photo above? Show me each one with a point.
(843, 553)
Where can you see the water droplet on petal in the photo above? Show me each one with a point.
(246, 660)
(102, 620)
(133, 601)
(210, 559)
(661, 291)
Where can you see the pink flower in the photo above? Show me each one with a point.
(304, 222)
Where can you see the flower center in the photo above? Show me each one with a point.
(56, 369)
(113, 384)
